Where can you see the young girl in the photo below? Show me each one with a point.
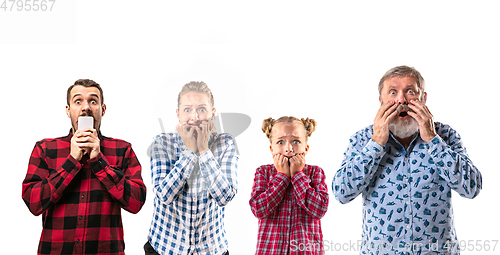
(289, 197)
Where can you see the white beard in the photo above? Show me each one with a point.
(403, 128)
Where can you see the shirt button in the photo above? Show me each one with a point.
(81, 217)
(408, 226)
(78, 240)
(83, 196)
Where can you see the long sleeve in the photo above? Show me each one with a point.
(453, 164)
(191, 192)
(410, 192)
(361, 161)
(43, 187)
(289, 210)
(123, 184)
(221, 177)
(311, 193)
(81, 202)
(267, 195)
(169, 175)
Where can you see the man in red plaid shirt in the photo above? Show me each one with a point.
(80, 182)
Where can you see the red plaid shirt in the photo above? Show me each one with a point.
(81, 202)
(289, 210)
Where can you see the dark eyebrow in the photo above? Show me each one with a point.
(91, 95)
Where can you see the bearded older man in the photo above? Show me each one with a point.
(406, 165)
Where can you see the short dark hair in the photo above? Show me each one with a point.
(85, 83)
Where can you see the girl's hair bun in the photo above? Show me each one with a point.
(310, 125)
(267, 126)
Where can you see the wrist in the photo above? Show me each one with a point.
(378, 140)
(283, 171)
(94, 153)
(76, 157)
(428, 138)
(194, 149)
(202, 148)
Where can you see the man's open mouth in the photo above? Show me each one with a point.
(403, 114)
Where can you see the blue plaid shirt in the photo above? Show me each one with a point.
(407, 193)
(190, 194)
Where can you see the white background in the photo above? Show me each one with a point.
(321, 60)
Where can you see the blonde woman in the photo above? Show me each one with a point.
(194, 177)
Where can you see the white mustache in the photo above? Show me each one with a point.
(403, 107)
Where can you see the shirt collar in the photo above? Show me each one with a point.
(414, 139)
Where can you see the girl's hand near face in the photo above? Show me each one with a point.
(281, 163)
(297, 163)
(204, 130)
(186, 132)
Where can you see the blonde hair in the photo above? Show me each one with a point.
(197, 86)
(268, 124)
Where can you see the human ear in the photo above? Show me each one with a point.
(271, 148)
(67, 111)
(103, 109)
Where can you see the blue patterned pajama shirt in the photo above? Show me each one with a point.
(407, 193)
